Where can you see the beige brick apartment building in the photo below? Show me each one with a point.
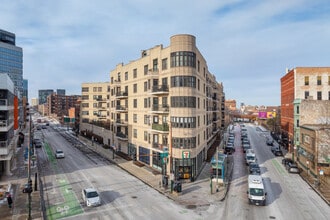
(165, 108)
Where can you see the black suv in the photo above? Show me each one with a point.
(229, 149)
(254, 169)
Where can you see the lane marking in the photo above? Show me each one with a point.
(279, 167)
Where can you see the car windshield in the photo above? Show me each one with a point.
(59, 151)
(92, 194)
(256, 192)
(250, 157)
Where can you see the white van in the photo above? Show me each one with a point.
(250, 157)
(256, 191)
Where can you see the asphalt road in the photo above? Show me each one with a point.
(289, 196)
(123, 196)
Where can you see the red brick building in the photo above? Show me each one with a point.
(301, 83)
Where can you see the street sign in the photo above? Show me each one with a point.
(185, 154)
(164, 155)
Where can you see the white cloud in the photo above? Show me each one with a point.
(247, 44)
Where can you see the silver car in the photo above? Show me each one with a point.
(59, 154)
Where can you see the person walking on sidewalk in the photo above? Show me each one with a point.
(9, 200)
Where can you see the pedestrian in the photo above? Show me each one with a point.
(9, 200)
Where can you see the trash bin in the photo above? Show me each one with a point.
(172, 186)
(165, 180)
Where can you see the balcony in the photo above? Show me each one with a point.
(3, 125)
(121, 108)
(162, 128)
(122, 136)
(159, 146)
(116, 82)
(160, 109)
(122, 95)
(101, 100)
(121, 122)
(4, 148)
(101, 116)
(3, 102)
(101, 108)
(160, 90)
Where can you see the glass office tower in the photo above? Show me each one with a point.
(11, 60)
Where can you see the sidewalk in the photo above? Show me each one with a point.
(322, 189)
(20, 207)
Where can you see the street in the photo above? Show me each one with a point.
(122, 195)
(289, 196)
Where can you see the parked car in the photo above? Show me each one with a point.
(246, 147)
(270, 142)
(229, 149)
(244, 135)
(245, 141)
(254, 168)
(278, 152)
(59, 154)
(91, 197)
(293, 168)
(250, 151)
(274, 148)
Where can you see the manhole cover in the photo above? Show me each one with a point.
(191, 206)
(134, 197)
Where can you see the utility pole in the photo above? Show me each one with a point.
(29, 168)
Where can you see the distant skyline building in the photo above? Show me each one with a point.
(43, 94)
(34, 101)
(25, 88)
(11, 60)
(60, 91)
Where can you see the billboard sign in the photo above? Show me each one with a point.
(262, 115)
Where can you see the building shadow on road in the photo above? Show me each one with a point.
(109, 195)
(273, 189)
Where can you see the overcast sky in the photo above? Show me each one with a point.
(248, 44)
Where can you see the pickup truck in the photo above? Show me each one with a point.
(91, 197)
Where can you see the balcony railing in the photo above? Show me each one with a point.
(3, 123)
(122, 94)
(121, 136)
(4, 148)
(159, 146)
(121, 108)
(162, 88)
(3, 102)
(160, 127)
(160, 108)
(101, 99)
(121, 121)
